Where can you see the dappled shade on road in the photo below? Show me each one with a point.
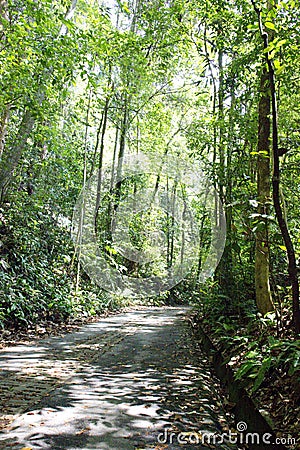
(115, 384)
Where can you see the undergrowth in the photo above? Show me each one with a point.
(38, 271)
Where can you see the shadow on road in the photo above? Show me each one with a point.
(117, 385)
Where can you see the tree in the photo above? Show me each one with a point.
(262, 248)
(34, 72)
(292, 265)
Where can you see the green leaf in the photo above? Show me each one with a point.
(277, 64)
(252, 354)
(270, 25)
(280, 43)
(295, 364)
(279, 70)
(245, 368)
(253, 27)
(266, 364)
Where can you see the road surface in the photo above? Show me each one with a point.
(129, 381)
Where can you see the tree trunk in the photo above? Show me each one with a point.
(262, 268)
(82, 212)
(121, 154)
(221, 126)
(282, 222)
(230, 285)
(5, 112)
(109, 216)
(3, 129)
(280, 214)
(100, 165)
(12, 156)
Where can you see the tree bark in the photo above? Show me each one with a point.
(100, 165)
(262, 251)
(3, 129)
(282, 222)
(121, 154)
(292, 265)
(10, 159)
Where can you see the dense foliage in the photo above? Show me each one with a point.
(84, 83)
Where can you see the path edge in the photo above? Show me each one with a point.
(244, 407)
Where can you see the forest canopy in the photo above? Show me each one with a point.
(85, 84)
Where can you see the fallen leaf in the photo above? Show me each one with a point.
(83, 431)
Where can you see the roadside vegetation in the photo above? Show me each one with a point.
(85, 84)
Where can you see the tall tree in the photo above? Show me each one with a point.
(277, 197)
(11, 155)
(262, 248)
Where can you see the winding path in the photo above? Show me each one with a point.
(125, 382)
